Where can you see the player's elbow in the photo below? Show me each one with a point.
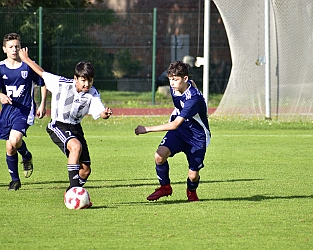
(175, 125)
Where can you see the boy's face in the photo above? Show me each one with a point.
(12, 48)
(82, 84)
(178, 83)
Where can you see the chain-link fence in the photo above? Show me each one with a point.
(120, 44)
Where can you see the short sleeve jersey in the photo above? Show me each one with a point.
(18, 84)
(68, 105)
(192, 107)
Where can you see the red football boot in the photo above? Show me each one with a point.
(165, 190)
(192, 195)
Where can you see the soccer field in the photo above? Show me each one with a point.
(256, 191)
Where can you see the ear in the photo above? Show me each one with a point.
(185, 78)
(4, 50)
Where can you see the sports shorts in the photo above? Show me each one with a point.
(176, 145)
(60, 133)
(13, 123)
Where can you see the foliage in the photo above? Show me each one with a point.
(69, 37)
(25, 4)
(63, 33)
(124, 65)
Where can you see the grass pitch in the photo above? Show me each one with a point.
(256, 191)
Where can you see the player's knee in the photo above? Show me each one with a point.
(10, 150)
(13, 143)
(159, 159)
(75, 147)
(161, 155)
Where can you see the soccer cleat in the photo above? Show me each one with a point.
(14, 185)
(192, 195)
(165, 190)
(28, 167)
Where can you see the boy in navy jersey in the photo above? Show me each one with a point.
(188, 132)
(17, 81)
(72, 99)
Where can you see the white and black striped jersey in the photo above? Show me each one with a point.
(69, 106)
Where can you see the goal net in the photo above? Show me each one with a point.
(291, 58)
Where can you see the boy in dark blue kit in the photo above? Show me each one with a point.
(188, 132)
(17, 81)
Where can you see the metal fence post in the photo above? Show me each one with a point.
(154, 54)
(40, 37)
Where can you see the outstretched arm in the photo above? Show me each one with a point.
(105, 114)
(163, 127)
(23, 53)
(41, 111)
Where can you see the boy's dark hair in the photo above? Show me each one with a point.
(177, 68)
(10, 37)
(85, 69)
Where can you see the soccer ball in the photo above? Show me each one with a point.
(77, 198)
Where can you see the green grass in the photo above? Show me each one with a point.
(144, 99)
(256, 191)
(127, 99)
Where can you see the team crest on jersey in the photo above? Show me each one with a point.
(24, 74)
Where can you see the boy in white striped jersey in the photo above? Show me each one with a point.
(72, 99)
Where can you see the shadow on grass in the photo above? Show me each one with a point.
(106, 183)
(261, 198)
(156, 183)
(254, 198)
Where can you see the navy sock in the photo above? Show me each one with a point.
(12, 162)
(163, 173)
(26, 155)
(192, 186)
(73, 174)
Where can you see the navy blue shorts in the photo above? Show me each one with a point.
(176, 145)
(17, 123)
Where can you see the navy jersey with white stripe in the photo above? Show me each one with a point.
(192, 107)
(18, 84)
(69, 106)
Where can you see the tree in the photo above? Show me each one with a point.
(67, 36)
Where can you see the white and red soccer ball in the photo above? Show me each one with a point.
(77, 198)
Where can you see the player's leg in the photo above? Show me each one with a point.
(84, 158)
(84, 173)
(12, 162)
(161, 164)
(19, 129)
(192, 185)
(168, 147)
(74, 148)
(162, 171)
(195, 160)
(61, 134)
